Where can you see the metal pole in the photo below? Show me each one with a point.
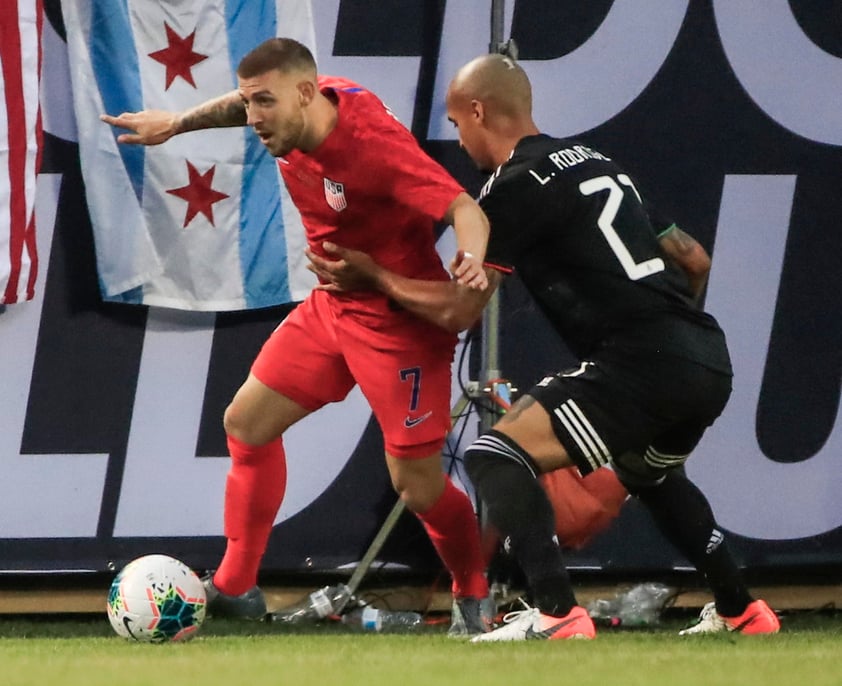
(498, 15)
(490, 360)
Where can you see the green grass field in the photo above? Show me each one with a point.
(85, 652)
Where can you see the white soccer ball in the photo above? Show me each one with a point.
(155, 599)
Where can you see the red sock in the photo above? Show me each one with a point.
(452, 527)
(254, 491)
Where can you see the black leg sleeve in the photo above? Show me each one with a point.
(684, 516)
(504, 476)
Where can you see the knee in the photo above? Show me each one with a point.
(478, 456)
(493, 449)
(637, 477)
(234, 423)
(239, 425)
(415, 498)
(419, 491)
(472, 459)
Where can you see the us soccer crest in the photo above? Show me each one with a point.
(335, 195)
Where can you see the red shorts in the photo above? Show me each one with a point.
(401, 363)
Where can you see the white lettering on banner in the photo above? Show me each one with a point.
(586, 87)
(49, 496)
(787, 75)
(167, 490)
(799, 499)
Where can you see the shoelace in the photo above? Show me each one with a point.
(709, 612)
(710, 615)
(510, 617)
(514, 615)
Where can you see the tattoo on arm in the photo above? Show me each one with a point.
(690, 256)
(226, 110)
(681, 241)
(515, 410)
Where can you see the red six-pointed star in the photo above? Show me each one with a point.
(198, 193)
(178, 57)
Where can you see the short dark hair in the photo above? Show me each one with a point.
(283, 54)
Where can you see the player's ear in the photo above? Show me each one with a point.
(478, 110)
(306, 93)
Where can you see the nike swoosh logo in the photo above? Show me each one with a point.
(127, 623)
(549, 631)
(409, 422)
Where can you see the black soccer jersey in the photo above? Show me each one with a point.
(573, 226)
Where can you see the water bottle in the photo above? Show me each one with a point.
(367, 618)
(316, 606)
(640, 605)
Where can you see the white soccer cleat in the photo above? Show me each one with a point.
(532, 624)
(758, 618)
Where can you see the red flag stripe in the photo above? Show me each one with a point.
(12, 69)
(31, 247)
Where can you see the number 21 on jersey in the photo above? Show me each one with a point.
(634, 270)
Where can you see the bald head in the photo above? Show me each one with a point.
(498, 82)
(490, 102)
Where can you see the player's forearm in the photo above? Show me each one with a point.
(698, 281)
(470, 224)
(226, 110)
(690, 256)
(443, 303)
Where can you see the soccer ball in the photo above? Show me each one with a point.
(155, 599)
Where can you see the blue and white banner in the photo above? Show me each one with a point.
(202, 222)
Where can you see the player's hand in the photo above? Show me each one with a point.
(343, 269)
(468, 271)
(150, 127)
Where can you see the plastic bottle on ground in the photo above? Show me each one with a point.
(640, 605)
(316, 606)
(369, 618)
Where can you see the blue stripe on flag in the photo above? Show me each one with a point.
(115, 64)
(263, 257)
(133, 296)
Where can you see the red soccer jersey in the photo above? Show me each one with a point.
(369, 186)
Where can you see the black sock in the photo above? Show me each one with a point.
(684, 516)
(504, 476)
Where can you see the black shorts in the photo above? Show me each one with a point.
(641, 412)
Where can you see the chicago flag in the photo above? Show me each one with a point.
(20, 144)
(202, 222)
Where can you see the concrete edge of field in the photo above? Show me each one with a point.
(70, 600)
